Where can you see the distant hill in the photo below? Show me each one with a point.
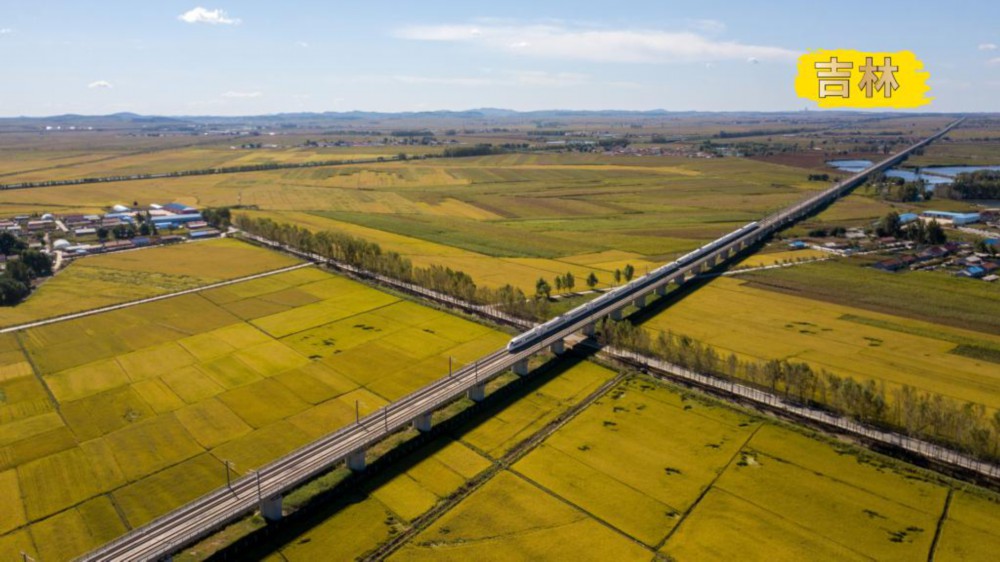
(486, 116)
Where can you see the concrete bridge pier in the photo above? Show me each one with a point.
(661, 291)
(422, 423)
(520, 368)
(356, 460)
(589, 329)
(640, 301)
(270, 508)
(679, 280)
(478, 392)
(558, 347)
(616, 314)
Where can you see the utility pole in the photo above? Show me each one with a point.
(357, 412)
(449, 365)
(229, 483)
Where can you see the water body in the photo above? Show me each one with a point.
(932, 175)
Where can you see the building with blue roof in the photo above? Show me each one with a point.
(956, 219)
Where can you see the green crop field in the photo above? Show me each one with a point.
(139, 408)
(919, 295)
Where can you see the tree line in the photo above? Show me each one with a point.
(370, 256)
(983, 184)
(183, 173)
(965, 426)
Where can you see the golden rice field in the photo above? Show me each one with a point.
(111, 420)
(96, 281)
(764, 259)
(757, 323)
(650, 473)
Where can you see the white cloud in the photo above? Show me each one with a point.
(753, 60)
(597, 45)
(100, 85)
(241, 95)
(987, 46)
(204, 15)
(302, 44)
(993, 61)
(6, 31)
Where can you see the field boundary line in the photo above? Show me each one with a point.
(128, 304)
(940, 525)
(498, 465)
(711, 486)
(600, 520)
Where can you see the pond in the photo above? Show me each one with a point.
(932, 175)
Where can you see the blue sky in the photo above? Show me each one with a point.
(231, 57)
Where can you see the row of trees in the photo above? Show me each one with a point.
(23, 266)
(183, 173)
(933, 417)
(568, 281)
(370, 256)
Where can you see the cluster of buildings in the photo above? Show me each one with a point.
(28, 227)
(121, 228)
(132, 227)
(956, 257)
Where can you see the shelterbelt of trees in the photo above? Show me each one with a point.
(964, 426)
(201, 172)
(370, 256)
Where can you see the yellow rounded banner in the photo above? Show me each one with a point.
(844, 78)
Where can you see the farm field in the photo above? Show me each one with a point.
(503, 219)
(648, 471)
(920, 295)
(109, 421)
(843, 339)
(102, 280)
(763, 259)
(72, 165)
